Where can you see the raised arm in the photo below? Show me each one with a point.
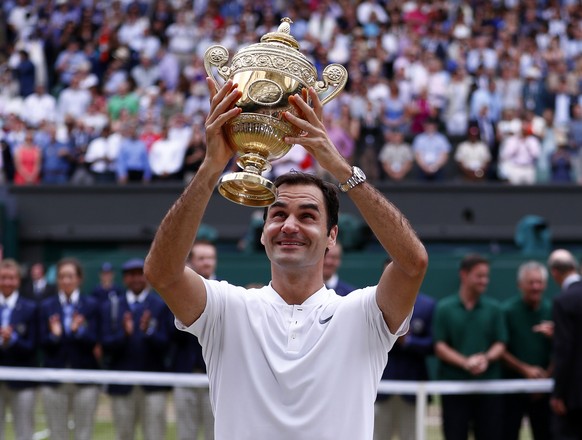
(401, 280)
(165, 265)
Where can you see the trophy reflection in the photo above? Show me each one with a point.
(267, 73)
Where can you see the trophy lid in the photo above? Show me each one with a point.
(283, 35)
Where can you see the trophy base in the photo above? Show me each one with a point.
(247, 189)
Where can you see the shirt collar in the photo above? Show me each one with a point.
(570, 279)
(332, 282)
(74, 297)
(314, 299)
(132, 297)
(9, 302)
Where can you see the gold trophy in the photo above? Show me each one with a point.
(267, 73)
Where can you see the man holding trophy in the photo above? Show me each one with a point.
(291, 359)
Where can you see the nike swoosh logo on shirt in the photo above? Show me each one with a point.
(326, 320)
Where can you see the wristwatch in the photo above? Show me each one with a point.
(358, 177)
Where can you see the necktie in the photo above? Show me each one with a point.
(4, 315)
(68, 318)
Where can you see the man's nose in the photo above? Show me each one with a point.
(290, 224)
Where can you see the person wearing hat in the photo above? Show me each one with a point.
(106, 286)
(134, 337)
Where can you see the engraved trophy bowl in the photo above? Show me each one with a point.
(267, 73)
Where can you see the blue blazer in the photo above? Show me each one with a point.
(343, 288)
(141, 351)
(21, 351)
(185, 353)
(69, 350)
(407, 361)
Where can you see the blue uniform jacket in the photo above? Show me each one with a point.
(21, 351)
(69, 350)
(141, 351)
(407, 361)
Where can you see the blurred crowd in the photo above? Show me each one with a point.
(98, 91)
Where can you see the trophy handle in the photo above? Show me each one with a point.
(216, 56)
(334, 75)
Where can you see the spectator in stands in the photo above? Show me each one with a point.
(473, 157)
(57, 157)
(166, 158)
(470, 336)
(563, 164)
(456, 111)
(146, 73)
(18, 344)
(193, 408)
(39, 107)
(68, 62)
(123, 98)
(534, 92)
(394, 109)
(101, 156)
(132, 160)
(24, 71)
(396, 156)
(575, 128)
(331, 264)
(73, 101)
(518, 156)
(135, 338)
(194, 153)
(486, 96)
(396, 414)
(562, 102)
(431, 151)
(528, 351)
(369, 140)
(68, 334)
(6, 163)
(27, 161)
(566, 399)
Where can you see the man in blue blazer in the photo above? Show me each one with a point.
(134, 337)
(331, 264)
(395, 414)
(17, 349)
(68, 335)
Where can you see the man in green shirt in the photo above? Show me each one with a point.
(470, 336)
(528, 319)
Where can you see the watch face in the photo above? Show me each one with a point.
(359, 174)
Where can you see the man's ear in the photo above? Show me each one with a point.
(332, 236)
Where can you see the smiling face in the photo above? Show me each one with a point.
(295, 232)
(9, 280)
(476, 279)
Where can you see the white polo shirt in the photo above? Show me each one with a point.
(288, 372)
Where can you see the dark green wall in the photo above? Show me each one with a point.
(359, 268)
